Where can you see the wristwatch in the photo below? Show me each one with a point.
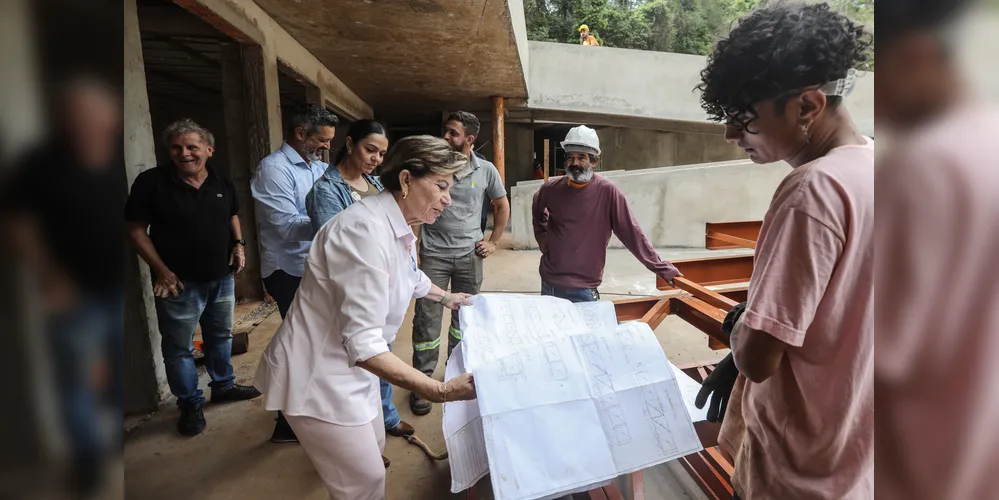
(241, 242)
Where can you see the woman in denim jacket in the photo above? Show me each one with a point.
(349, 178)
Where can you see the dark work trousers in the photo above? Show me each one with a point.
(464, 274)
(282, 286)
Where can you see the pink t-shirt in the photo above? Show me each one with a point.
(810, 427)
(937, 296)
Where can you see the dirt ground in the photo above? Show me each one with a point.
(233, 458)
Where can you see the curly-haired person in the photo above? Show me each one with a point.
(802, 426)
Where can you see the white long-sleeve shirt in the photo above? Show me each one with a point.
(360, 276)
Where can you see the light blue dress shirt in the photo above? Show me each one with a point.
(279, 189)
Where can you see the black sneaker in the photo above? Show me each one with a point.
(283, 433)
(236, 393)
(192, 422)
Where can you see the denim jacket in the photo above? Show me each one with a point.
(330, 195)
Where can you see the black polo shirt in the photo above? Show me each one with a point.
(189, 227)
(78, 212)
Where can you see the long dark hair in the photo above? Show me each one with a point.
(357, 132)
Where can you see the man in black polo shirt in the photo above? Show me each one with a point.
(194, 246)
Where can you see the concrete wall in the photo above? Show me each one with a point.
(519, 22)
(633, 149)
(20, 101)
(145, 376)
(605, 80)
(672, 204)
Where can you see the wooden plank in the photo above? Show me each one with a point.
(712, 481)
(634, 309)
(258, 130)
(612, 492)
(716, 345)
(547, 159)
(712, 271)
(742, 233)
(716, 456)
(656, 314)
(707, 432)
(235, 111)
(700, 314)
(637, 485)
(499, 138)
(597, 494)
(711, 297)
(716, 241)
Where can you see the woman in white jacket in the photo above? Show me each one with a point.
(323, 364)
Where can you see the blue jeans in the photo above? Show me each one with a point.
(91, 331)
(389, 411)
(571, 294)
(209, 303)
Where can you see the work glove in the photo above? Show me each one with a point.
(719, 384)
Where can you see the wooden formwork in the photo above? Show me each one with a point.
(710, 287)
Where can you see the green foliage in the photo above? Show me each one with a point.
(684, 26)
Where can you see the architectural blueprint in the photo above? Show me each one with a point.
(566, 398)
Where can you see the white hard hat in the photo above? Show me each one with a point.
(582, 139)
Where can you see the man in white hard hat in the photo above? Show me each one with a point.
(574, 216)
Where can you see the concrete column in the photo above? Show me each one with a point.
(242, 164)
(499, 143)
(145, 377)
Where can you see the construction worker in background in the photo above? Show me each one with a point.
(574, 216)
(453, 247)
(586, 38)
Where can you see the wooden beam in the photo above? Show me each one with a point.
(249, 283)
(716, 241)
(258, 132)
(547, 160)
(193, 54)
(634, 309)
(637, 485)
(717, 270)
(737, 234)
(701, 315)
(180, 79)
(711, 297)
(655, 316)
(499, 138)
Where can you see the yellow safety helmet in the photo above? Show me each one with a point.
(584, 27)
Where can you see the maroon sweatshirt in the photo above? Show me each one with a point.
(573, 226)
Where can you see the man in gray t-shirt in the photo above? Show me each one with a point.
(452, 248)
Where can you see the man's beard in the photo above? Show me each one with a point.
(579, 175)
(314, 155)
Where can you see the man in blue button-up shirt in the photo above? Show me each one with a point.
(279, 188)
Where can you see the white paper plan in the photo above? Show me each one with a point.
(567, 398)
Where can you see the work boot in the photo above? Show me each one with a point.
(236, 393)
(419, 405)
(192, 422)
(402, 429)
(283, 433)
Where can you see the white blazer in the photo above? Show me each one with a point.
(360, 277)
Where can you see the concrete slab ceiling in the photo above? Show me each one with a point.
(409, 58)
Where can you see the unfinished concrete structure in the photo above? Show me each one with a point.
(237, 66)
